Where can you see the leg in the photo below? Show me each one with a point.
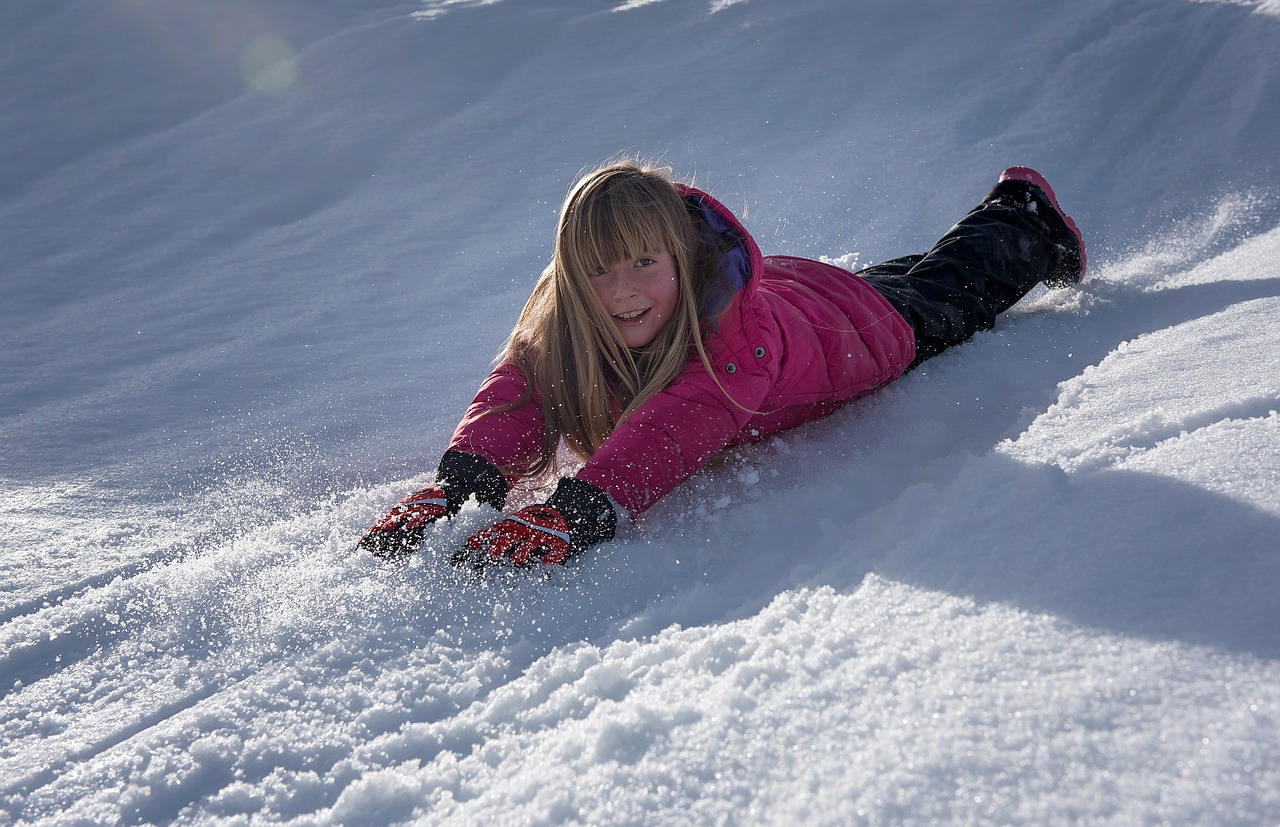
(893, 269)
(981, 267)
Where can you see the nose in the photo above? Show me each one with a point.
(624, 283)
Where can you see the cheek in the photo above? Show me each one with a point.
(669, 296)
(598, 287)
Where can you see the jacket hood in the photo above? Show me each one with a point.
(741, 262)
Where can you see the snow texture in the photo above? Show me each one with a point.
(258, 254)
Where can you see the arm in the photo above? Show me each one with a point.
(509, 437)
(669, 438)
(662, 444)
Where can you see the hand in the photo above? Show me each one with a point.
(535, 534)
(401, 530)
(459, 477)
(577, 516)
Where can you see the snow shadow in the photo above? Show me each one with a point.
(1122, 551)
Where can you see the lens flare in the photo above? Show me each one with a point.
(269, 64)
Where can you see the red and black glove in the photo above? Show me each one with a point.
(401, 530)
(536, 534)
(577, 516)
(459, 477)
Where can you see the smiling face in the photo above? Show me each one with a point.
(622, 273)
(640, 294)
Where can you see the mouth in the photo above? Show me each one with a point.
(631, 315)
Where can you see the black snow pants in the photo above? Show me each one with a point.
(979, 269)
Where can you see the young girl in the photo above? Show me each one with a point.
(658, 336)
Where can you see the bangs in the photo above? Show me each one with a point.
(610, 223)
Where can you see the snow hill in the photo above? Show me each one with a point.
(256, 256)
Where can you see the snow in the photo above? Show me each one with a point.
(256, 260)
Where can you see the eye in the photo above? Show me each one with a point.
(599, 271)
(645, 262)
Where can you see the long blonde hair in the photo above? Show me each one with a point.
(567, 344)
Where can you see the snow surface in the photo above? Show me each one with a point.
(258, 254)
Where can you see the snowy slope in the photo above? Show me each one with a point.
(256, 259)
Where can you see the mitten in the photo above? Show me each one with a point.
(459, 477)
(577, 516)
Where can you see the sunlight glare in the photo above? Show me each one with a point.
(269, 64)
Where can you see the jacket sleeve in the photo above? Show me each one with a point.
(509, 438)
(671, 436)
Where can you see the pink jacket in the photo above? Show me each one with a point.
(799, 339)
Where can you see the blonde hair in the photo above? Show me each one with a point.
(566, 342)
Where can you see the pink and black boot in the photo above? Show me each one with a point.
(1062, 230)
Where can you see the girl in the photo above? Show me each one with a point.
(658, 336)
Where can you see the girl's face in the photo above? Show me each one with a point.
(640, 294)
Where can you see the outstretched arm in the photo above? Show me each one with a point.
(662, 444)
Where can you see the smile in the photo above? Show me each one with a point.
(631, 315)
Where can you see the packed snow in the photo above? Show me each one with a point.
(257, 256)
